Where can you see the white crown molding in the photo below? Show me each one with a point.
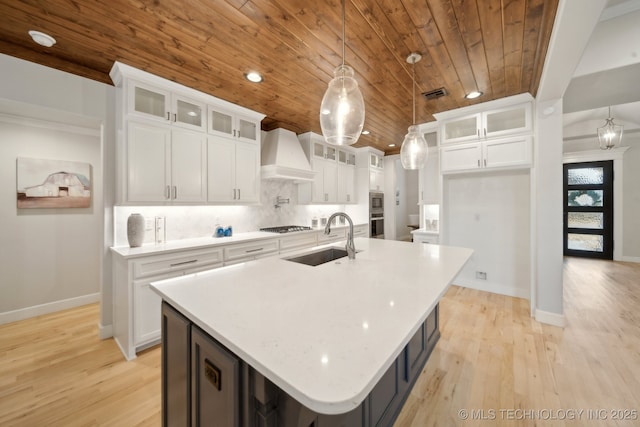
(594, 155)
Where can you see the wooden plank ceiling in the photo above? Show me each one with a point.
(495, 46)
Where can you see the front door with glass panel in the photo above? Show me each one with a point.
(588, 209)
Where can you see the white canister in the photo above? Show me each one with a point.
(135, 230)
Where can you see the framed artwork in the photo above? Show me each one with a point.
(45, 183)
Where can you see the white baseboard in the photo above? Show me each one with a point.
(631, 259)
(105, 331)
(51, 307)
(493, 288)
(553, 319)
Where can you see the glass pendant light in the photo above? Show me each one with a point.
(342, 108)
(610, 135)
(414, 150)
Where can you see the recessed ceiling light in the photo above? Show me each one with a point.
(365, 132)
(254, 76)
(392, 145)
(42, 39)
(473, 95)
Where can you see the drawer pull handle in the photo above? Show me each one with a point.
(253, 250)
(212, 373)
(183, 263)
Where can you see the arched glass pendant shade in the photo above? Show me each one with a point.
(414, 150)
(610, 135)
(342, 109)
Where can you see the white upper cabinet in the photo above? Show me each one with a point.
(162, 142)
(500, 122)
(334, 179)
(514, 152)
(150, 102)
(165, 165)
(233, 125)
(429, 175)
(233, 171)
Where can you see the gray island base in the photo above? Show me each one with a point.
(273, 342)
(205, 384)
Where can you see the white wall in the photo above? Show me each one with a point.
(490, 213)
(31, 90)
(50, 257)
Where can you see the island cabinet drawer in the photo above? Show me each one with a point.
(181, 261)
(298, 241)
(334, 236)
(248, 251)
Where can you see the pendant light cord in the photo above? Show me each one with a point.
(414, 91)
(343, 33)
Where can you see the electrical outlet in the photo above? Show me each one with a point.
(482, 275)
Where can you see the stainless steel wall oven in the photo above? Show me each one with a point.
(376, 215)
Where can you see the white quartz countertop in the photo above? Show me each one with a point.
(325, 334)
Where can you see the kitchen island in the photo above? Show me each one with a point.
(275, 342)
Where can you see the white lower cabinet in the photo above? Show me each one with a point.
(242, 252)
(336, 235)
(136, 308)
(298, 241)
(492, 154)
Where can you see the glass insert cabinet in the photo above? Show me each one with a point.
(588, 209)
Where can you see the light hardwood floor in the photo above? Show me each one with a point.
(492, 361)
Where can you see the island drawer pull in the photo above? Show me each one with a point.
(183, 263)
(254, 250)
(213, 374)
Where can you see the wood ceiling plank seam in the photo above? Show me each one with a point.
(447, 25)
(364, 60)
(378, 21)
(423, 20)
(490, 15)
(62, 29)
(370, 93)
(514, 12)
(223, 64)
(466, 13)
(549, 13)
(369, 97)
(400, 20)
(531, 35)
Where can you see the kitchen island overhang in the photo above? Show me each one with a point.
(325, 335)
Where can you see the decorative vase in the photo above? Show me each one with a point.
(135, 230)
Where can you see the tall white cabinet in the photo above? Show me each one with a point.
(180, 146)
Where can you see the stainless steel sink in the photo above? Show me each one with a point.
(319, 257)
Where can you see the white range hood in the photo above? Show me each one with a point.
(282, 157)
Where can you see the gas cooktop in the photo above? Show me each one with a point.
(286, 228)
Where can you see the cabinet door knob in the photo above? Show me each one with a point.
(485, 163)
(234, 194)
(175, 192)
(167, 193)
(478, 162)
(213, 374)
(168, 116)
(239, 194)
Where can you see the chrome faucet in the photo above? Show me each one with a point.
(350, 247)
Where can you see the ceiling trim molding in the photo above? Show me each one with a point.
(594, 155)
